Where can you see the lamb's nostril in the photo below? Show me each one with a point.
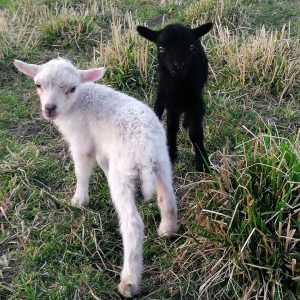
(50, 108)
(178, 66)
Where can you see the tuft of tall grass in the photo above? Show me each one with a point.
(29, 28)
(204, 11)
(266, 62)
(232, 13)
(129, 57)
(68, 28)
(28, 25)
(253, 210)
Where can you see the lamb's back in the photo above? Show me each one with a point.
(126, 120)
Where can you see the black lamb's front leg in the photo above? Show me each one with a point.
(159, 106)
(197, 138)
(185, 123)
(172, 129)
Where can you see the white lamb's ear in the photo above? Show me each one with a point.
(28, 69)
(91, 74)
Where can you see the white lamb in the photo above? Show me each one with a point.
(125, 138)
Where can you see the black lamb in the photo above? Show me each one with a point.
(183, 70)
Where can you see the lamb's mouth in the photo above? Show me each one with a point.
(50, 116)
(177, 74)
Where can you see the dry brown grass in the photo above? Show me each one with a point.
(204, 11)
(266, 62)
(232, 13)
(126, 50)
(30, 22)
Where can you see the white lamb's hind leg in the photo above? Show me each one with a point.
(166, 200)
(84, 163)
(132, 230)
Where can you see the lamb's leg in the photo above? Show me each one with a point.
(84, 163)
(185, 123)
(166, 199)
(132, 230)
(103, 163)
(197, 138)
(159, 107)
(172, 129)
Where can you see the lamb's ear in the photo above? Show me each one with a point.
(201, 30)
(148, 33)
(91, 74)
(28, 69)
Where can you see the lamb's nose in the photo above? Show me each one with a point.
(178, 66)
(50, 108)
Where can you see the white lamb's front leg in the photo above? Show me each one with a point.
(132, 229)
(84, 163)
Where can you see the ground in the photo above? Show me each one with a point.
(239, 229)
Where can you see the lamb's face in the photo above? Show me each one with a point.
(176, 45)
(176, 48)
(57, 88)
(57, 84)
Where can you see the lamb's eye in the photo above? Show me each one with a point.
(72, 90)
(192, 47)
(162, 49)
(38, 86)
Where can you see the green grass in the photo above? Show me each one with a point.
(261, 224)
(239, 229)
(3, 3)
(274, 14)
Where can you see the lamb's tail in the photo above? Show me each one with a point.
(148, 180)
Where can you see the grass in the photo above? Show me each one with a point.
(129, 58)
(265, 63)
(263, 194)
(239, 226)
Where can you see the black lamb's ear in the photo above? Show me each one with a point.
(148, 33)
(201, 30)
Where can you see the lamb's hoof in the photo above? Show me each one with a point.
(128, 289)
(173, 156)
(199, 167)
(202, 167)
(165, 230)
(79, 203)
(185, 125)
